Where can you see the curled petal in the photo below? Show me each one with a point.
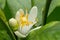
(35, 28)
(19, 34)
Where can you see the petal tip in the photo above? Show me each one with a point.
(19, 34)
(17, 16)
(35, 7)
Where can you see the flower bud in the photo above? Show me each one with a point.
(13, 23)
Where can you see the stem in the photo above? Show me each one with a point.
(32, 3)
(45, 12)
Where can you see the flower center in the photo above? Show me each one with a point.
(24, 20)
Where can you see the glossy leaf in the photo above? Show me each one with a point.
(48, 32)
(54, 13)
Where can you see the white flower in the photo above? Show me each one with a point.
(25, 22)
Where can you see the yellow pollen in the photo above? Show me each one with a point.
(24, 19)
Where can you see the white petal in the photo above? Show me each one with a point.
(36, 28)
(13, 22)
(17, 17)
(33, 14)
(19, 34)
(24, 30)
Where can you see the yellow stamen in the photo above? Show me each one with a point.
(24, 19)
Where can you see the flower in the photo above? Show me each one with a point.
(23, 23)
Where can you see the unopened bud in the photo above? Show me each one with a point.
(13, 23)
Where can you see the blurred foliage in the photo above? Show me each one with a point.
(3, 33)
(4, 24)
(2, 3)
(50, 31)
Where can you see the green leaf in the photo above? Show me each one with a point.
(54, 13)
(48, 32)
(4, 35)
(15, 5)
(7, 12)
(4, 25)
(2, 16)
(2, 3)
